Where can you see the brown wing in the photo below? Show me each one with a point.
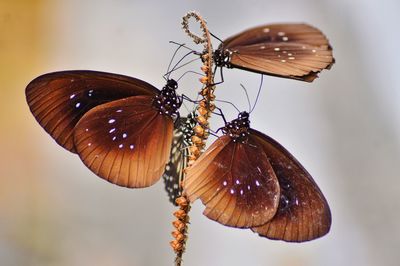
(126, 142)
(303, 213)
(288, 60)
(296, 51)
(236, 183)
(174, 174)
(279, 33)
(58, 100)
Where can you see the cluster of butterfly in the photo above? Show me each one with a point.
(130, 133)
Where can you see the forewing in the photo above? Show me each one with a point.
(235, 182)
(58, 100)
(173, 174)
(288, 60)
(279, 33)
(303, 213)
(126, 142)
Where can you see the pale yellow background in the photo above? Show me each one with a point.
(344, 128)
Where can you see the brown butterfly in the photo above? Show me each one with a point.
(121, 127)
(295, 51)
(248, 180)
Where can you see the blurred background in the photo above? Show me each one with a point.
(344, 128)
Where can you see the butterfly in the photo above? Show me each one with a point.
(121, 127)
(174, 170)
(295, 51)
(246, 179)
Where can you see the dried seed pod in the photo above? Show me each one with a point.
(196, 140)
(180, 214)
(203, 79)
(182, 202)
(204, 92)
(179, 225)
(203, 111)
(202, 120)
(194, 150)
(176, 245)
(199, 130)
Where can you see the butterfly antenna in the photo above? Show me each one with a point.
(177, 64)
(189, 71)
(220, 114)
(258, 93)
(222, 101)
(247, 96)
(216, 37)
(173, 56)
(185, 64)
(184, 46)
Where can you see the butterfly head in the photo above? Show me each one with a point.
(167, 101)
(172, 84)
(222, 57)
(238, 129)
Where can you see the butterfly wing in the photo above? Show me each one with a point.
(303, 213)
(296, 51)
(126, 142)
(279, 33)
(173, 174)
(235, 182)
(58, 100)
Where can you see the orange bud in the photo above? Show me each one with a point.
(211, 107)
(176, 245)
(194, 150)
(196, 140)
(202, 120)
(204, 68)
(180, 214)
(179, 225)
(202, 110)
(203, 80)
(199, 130)
(182, 201)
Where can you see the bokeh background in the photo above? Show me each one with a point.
(344, 128)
